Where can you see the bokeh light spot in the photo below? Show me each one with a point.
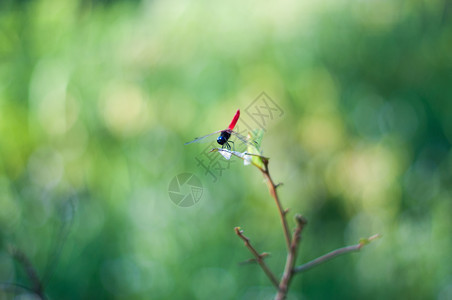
(124, 109)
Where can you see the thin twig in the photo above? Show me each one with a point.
(259, 257)
(253, 260)
(29, 269)
(15, 287)
(333, 254)
(282, 213)
(291, 258)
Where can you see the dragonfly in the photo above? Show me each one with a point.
(225, 135)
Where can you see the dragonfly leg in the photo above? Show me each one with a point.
(233, 146)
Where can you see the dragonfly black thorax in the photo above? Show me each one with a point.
(224, 137)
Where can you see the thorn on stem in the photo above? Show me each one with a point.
(254, 260)
(248, 261)
(278, 185)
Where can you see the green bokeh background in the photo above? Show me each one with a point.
(98, 97)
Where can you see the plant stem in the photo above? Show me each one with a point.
(259, 257)
(333, 254)
(291, 258)
(282, 213)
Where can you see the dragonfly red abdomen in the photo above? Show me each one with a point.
(234, 120)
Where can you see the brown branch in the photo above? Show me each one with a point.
(291, 258)
(259, 257)
(282, 213)
(292, 243)
(333, 254)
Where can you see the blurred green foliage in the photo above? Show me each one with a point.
(98, 97)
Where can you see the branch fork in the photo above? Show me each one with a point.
(292, 241)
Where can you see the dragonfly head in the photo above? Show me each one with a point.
(223, 138)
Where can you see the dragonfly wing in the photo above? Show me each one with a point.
(244, 140)
(203, 139)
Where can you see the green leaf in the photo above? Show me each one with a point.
(255, 148)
